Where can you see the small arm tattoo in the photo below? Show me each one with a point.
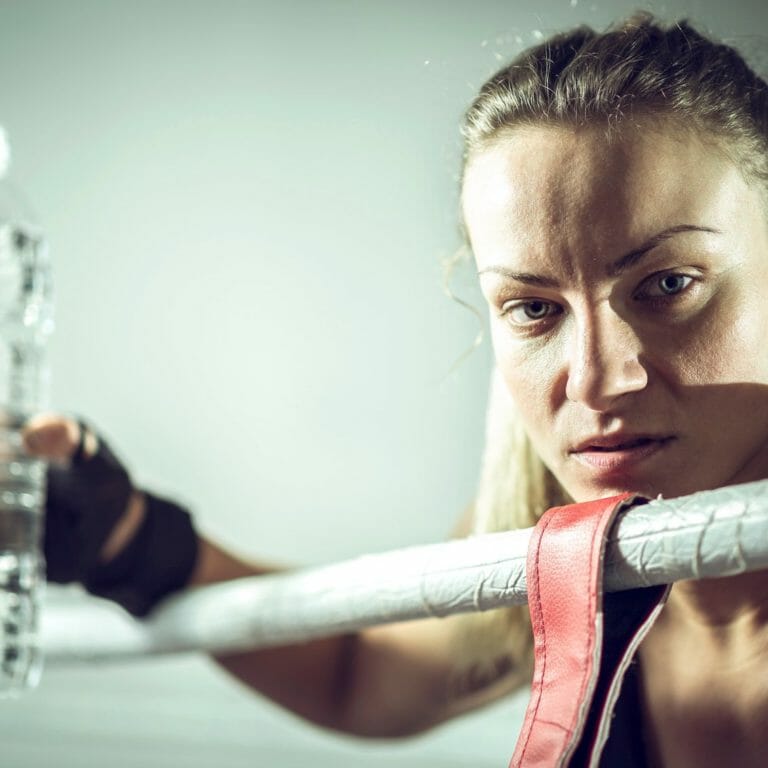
(480, 675)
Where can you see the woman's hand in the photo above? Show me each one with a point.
(92, 509)
(121, 543)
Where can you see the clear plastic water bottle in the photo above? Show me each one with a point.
(26, 321)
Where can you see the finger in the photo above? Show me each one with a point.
(55, 437)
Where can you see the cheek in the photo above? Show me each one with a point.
(742, 349)
(532, 374)
(728, 347)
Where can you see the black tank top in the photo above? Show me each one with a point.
(626, 747)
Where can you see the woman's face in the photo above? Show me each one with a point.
(628, 294)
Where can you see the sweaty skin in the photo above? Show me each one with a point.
(598, 341)
(627, 294)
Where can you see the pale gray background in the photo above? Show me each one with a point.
(248, 204)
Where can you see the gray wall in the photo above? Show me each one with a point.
(248, 204)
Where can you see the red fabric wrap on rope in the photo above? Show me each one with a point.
(580, 652)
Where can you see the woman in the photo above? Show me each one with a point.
(614, 196)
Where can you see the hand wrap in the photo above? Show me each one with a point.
(85, 501)
(158, 560)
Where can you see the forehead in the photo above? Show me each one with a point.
(564, 194)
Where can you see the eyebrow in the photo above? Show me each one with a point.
(615, 268)
(522, 277)
(633, 257)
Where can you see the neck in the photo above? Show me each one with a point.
(721, 606)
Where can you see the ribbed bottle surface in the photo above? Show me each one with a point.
(25, 324)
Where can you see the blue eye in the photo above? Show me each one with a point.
(661, 286)
(535, 310)
(671, 284)
(530, 312)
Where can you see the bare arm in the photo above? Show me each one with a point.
(387, 681)
(392, 680)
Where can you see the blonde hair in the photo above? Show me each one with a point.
(636, 69)
(515, 489)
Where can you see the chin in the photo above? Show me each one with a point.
(651, 488)
(646, 487)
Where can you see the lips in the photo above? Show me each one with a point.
(618, 441)
(636, 443)
(619, 452)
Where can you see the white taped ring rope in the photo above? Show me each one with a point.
(707, 534)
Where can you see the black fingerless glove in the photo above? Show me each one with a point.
(85, 501)
(158, 560)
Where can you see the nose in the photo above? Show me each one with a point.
(604, 362)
